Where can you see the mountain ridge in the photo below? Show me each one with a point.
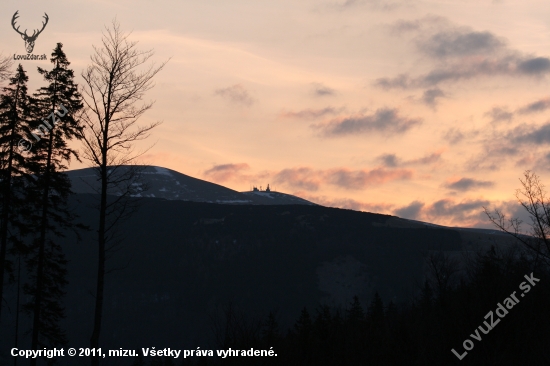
(160, 182)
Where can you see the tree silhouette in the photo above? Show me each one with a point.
(49, 194)
(532, 196)
(114, 84)
(15, 118)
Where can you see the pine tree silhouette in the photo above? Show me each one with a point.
(15, 118)
(59, 102)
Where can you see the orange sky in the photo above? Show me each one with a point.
(424, 109)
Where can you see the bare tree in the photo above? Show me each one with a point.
(532, 196)
(115, 83)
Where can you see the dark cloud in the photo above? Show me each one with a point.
(465, 70)
(401, 81)
(312, 113)
(467, 184)
(392, 161)
(513, 209)
(461, 53)
(311, 179)
(225, 172)
(430, 96)
(535, 66)
(360, 179)
(499, 114)
(389, 160)
(539, 135)
(453, 135)
(412, 211)
(460, 42)
(236, 94)
(506, 151)
(498, 149)
(384, 120)
(346, 203)
(321, 90)
(465, 213)
(465, 210)
(428, 159)
(535, 107)
(403, 26)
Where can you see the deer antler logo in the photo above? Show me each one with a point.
(29, 40)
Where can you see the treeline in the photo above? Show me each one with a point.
(38, 136)
(420, 332)
(35, 133)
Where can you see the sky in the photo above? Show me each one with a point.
(428, 110)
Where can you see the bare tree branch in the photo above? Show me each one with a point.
(5, 67)
(532, 197)
(115, 82)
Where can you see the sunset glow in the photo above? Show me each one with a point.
(427, 110)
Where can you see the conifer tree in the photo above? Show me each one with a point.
(304, 329)
(270, 329)
(355, 312)
(375, 311)
(59, 103)
(15, 117)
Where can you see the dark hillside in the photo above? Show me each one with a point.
(180, 261)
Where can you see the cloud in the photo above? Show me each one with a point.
(534, 66)
(392, 161)
(307, 178)
(302, 178)
(447, 207)
(346, 203)
(360, 179)
(384, 120)
(465, 213)
(524, 145)
(461, 53)
(310, 179)
(401, 81)
(460, 42)
(451, 211)
(428, 159)
(499, 114)
(321, 90)
(225, 172)
(384, 5)
(430, 96)
(409, 26)
(498, 149)
(236, 94)
(465, 70)
(467, 184)
(389, 160)
(513, 209)
(411, 211)
(453, 135)
(311, 113)
(526, 134)
(539, 106)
